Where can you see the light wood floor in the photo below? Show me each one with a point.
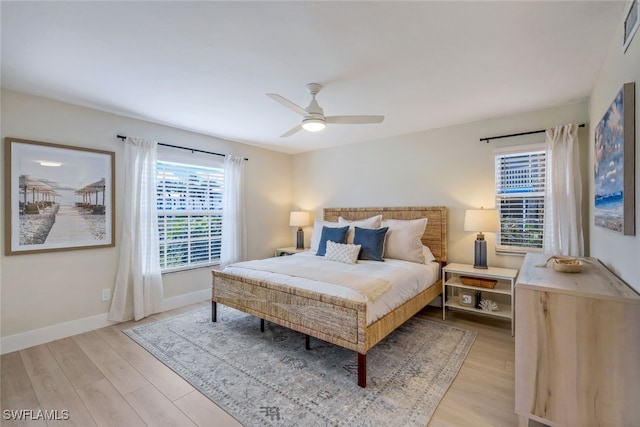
(104, 378)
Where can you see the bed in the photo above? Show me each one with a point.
(335, 319)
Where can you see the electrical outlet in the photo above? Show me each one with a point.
(106, 294)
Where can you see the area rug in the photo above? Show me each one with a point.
(270, 379)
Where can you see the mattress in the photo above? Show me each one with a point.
(407, 280)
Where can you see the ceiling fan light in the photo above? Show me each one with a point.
(313, 125)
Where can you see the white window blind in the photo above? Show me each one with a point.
(520, 186)
(189, 214)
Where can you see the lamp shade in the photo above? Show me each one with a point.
(481, 220)
(299, 219)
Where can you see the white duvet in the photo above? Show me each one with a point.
(407, 280)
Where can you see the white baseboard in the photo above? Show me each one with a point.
(186, 299)
(53, 332)
(73, 327)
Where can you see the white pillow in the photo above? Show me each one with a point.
(428, 255)
(372, 222)
(342, 252)
(404, 239)
(317, 233)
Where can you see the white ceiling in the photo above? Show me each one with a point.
(206, 66)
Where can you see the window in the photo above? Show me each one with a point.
(189, 215)
(520, 186)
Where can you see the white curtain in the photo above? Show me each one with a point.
(234, 238)
(138, 288)
(563, 194)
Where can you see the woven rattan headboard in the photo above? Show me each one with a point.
(435, 235)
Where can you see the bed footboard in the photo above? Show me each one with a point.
(332, 319)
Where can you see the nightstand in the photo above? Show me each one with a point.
(288, 251)
(456, 294)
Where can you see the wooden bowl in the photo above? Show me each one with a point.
(567, 265)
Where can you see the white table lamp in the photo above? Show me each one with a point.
(481, 220)
(299, 219)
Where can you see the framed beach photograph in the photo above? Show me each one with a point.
(57, 197)
(614, 164)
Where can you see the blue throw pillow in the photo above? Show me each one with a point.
(336, 235)
(371, 242)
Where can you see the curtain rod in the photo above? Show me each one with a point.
(122, 137)
(518, 134)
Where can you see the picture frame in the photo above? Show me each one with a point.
(631, 24)
(57, 197)
(614, 164)
(466, 298)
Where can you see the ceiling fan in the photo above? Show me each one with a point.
(313, 118)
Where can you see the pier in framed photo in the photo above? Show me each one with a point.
(58, 197)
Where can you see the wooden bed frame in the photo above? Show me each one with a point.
(335, 320)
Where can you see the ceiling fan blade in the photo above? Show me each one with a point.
(290, 105)
(291, 131)
(354, 119)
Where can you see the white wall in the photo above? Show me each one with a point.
(620, 253)
(447, 166)
(40, 290)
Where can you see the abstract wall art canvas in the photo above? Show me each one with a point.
(614, 164)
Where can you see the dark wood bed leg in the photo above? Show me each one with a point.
(362, 370)
(214, 311)
(307, 342)
(261, 325)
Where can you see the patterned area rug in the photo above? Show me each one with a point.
(270, 379)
